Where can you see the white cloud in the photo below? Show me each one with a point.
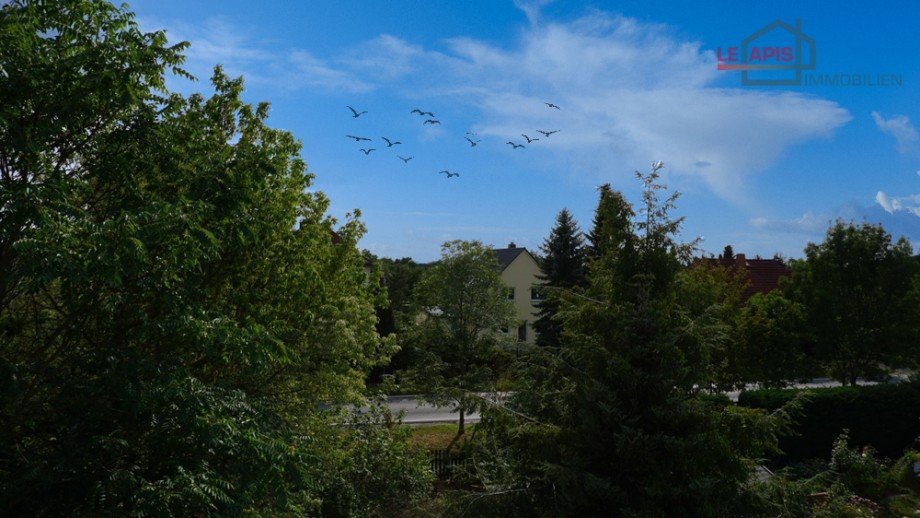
(900, 128)
(810, 223)
(242, 52)
(630, 91)
(910, 203)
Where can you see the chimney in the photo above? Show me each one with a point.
(512, 245)
(739, 260)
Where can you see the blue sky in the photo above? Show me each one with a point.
(762, 168)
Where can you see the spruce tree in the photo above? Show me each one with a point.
(563, 267)
(611, 422)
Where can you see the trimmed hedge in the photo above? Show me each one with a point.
(887, 417)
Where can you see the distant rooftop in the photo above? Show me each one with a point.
(507, 255)
(762, 274)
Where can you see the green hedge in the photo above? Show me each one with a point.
(887, 417)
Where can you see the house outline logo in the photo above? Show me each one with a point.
(797, 65)
(755, 58)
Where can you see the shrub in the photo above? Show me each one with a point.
(882, 416)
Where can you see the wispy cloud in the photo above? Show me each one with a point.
(891, 204)
(241, 51)
(899, 215)
(809, 223)
(630, 91)
(900, 128)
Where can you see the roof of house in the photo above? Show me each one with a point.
(507, 255)
(763, 275)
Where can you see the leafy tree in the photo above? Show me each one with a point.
(728, 253)
(168, 329)
(772, 351)
(563, 267)
(464, 308)
(711, 297)
(612, 423)
(855, 286)
(399, 277)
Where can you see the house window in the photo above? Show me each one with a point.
(510, 293)
(522, 332)
(536, 293)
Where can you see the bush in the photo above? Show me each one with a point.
(882, 416)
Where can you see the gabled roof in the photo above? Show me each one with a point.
(506, 256)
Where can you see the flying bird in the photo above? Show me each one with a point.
(472, 142)
(529, 140)
(420, 112)
(358, 139)
(355, 112)
(389, 143)
(547, 133)
(431, 121)
(404, 159)
(513, 145)
(448, 173)
(551, 105)
(367, 151)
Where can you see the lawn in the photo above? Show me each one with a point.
(439, 436)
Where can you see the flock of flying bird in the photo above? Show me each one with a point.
(430, 119)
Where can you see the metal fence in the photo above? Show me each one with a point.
(444, 462)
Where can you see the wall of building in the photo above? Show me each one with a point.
(521, 275)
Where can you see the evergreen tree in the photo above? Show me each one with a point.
(728, 253)
(612, 422)
(563, 267)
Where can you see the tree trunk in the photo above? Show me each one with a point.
(460, 429)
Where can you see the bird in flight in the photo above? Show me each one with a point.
(431, 121)
(513, 145)
(472, 142)
(448, 173)
(420, 112)
(355, 112)
(551, 105)
(358, 139)
(390, 143)
(367, 151)
(404, 159)
(547, 133)
(529, 140)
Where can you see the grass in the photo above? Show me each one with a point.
(439, 436)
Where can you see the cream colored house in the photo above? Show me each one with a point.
(520, 272)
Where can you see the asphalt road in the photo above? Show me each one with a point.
(423, 413)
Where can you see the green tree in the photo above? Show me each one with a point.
(728, 253)
(711, 297)
(464, 307)
(612, 423)
(855, 287)
(772, 351)
(563, 267)
(167, 328)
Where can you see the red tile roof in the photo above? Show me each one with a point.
(763, 274)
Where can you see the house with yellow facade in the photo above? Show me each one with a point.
(520, 272)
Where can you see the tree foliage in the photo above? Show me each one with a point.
(562, 267)
(612, 420)
(173, 308)
(856, 288)
(463, 308)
